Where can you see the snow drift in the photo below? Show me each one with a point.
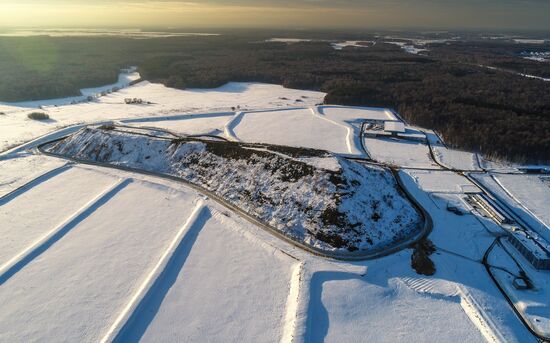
(309, 195)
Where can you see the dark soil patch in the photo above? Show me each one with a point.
(38, 116)
(286, 168)
(420, 258)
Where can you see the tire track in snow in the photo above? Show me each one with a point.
(229, 128)
(351, 143)
(292, 305)
(19, 261)
(154, 280)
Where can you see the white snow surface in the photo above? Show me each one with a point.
(533, 303)
(288, 40)
(451, 158)
(515, 191)
(17, 171)
(91, 253)
(189, 304)
(294, 127)
(529, 41)
(400, 152)
(16, 128)
(532, 194)
(88, 277)
(400, 305)
(354, 115)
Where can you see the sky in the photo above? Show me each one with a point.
(291, 14)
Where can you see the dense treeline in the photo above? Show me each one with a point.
(497, 113)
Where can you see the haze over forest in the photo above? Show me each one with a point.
(441, 14)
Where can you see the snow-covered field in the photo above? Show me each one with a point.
(400, 152)
(16, 128)
(450, 158)
(90, 253)
(295, 127)
(288, 40)
(190, 269)
(529, 41)
(16, 172)
(189, 303)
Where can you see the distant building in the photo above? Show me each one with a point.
(375, 128)
(534, 248)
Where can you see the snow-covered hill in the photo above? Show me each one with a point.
(310, 195)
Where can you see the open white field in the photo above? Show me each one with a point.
(92, 266)
(333, 128)
(16, 128)
(15, 172)
(450, 158)
(399, 152)
(442, 181)
(387, 304)
(455, 159)
(48, 205)
(355, 115)
(353, 43)
(294, 127)
(96, 254)
(222, 287)
(531, 193)
(187, 124)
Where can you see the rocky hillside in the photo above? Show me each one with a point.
(312, 196)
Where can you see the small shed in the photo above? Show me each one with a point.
(394, 127)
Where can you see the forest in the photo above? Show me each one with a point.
(448, 89)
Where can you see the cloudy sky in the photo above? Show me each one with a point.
(498, 14)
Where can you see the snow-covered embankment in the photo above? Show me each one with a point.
(311, 196)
